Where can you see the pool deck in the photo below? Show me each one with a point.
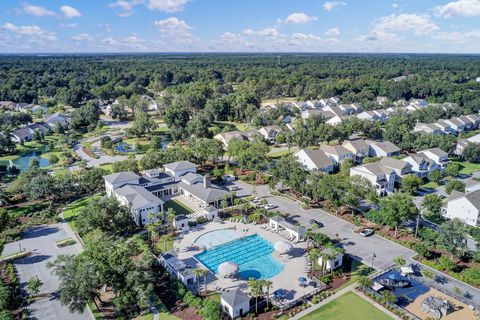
(294, 263)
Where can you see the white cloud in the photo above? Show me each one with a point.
(37, 10)
(125, 6)
(68, 25)
(70, 12)
(459, 8)
(419, 24)
(395, 5)
(268, 32)
(330, 5)
(82, 37)
(333, 32)
(109, 41)
(172, 24)
(458, 37)
(133, 39)
(167, 5)
(31, 33)
(297, 18)
(176, 31)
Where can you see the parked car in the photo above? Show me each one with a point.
(367, 232)
(269, 206)
(228, 178)
(318, 223)
(232, 188)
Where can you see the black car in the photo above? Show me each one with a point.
(318, 223)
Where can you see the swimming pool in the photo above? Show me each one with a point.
(217, 237)
(253, 254)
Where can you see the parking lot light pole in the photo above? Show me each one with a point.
(373, 258)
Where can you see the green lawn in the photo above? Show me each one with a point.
(177, 206)
(347, 307)
(72, 210)
(26, 210)
(430, 185)
(107, 166)
(8, 158)
(467, 167)
(356, 268)
(281, 152)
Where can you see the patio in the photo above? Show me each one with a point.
(294, 262)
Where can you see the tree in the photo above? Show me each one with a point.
(198, 273)
(313, 255)
(256, 290)
(453, 236)
(211, 310)
(471, 153)
(399, 261)
(456, 185)
(435, 176)
(290, 172)
(397, 209)
(452, 170)
(106, 215)
(142, 124)
(267, 284)
(34, 285)
(411, 183)
(431, 205)
(365, 281)
(389, 296)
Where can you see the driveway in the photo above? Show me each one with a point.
(41, 241)
(103, 159)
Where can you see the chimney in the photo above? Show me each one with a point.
(207, 181)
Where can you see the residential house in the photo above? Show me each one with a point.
(421, 165)
(472, 185)
(315, 160)
(457, 125)
(437, 155)
(428, 128)
(464, 206)
(462, 143)
(226, 137)
(416, 104)
(235, 303)
(359, 149)
(382, 149)
(269, 133)
(382, 100)
(401, 168)
(22, 135)
(381, 178)
(380, 115)
(56, 119)
(313, 104)
(337, 153)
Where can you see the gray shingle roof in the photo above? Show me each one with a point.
(394, 163)
(180, 165)
(138, 196)
(208, 195)
(121, 177)
(319, 158)
(235, 297)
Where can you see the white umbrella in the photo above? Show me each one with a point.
(283, 247)
(227, 269)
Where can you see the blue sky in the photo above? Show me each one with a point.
(240, 26)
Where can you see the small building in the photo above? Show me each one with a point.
(382, 149)
(335, 261)
(235, 303)
(296, 233)
(22, 134)
(178, 269)
(56, 119)
(181, 222)
(315, 160)
(269, 133)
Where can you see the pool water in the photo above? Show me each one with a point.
(253, 254)
(217, 237)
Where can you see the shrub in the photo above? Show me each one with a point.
(202, 220)
(446, 263)
(472, 275)
(422, 250)
(326, 279)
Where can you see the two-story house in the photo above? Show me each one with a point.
(464, 206)
(359, 149)
(381, 178)
(337, 153)
(315, 160)
(382, 149)
(401, 168)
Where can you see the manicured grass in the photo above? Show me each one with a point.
(26, 210)
(467, 167)
(177, 206)
(281, 152)
(96, 314)
(107, 166)
(430, 185)
(164, 247)
(8, 158)
(72, 210)
(357, 269)
(215, 296)
(347, 307)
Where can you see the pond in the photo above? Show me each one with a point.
(22, 162)
(123, 147)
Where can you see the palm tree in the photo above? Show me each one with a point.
(171, 216)
(255, 290)
(313, 255)
(34, 285)
(198, 272)
(365, 281)
(268, 285)
(205, 274)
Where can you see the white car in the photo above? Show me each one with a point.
(269, 206)
(232, 188)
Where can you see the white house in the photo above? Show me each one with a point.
(472, 185)
(269, 133)
(382, 149)
(56, 119)
(381, 178)
(180, 168)
(335, 261)
(428, 128)
(421, 165)
(437, 155)
(401, 168)
(315, 160)
(180, 222)
(462, 143)
(465, 207)
(235, 303)
(337, 153)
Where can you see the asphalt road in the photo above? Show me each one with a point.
(41, 241)
(357, 246)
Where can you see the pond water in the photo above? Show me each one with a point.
(23, 161)
(124, 147)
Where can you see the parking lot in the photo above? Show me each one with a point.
(41, 241)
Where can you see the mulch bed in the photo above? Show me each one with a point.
(187, 314)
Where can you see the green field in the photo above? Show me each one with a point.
(72, 210)
(177, 206)
(26, 210)
(347, 307)
(467, 167)
(357, 269)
